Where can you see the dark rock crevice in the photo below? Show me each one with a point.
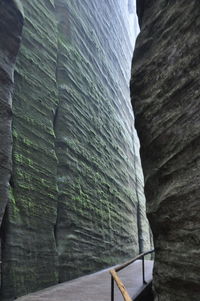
(55, 121)
(139, 211)
(3, 229)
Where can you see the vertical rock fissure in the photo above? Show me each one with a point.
(139, 226)
(140, 241)
(55, 150)
(3, 229)
(57, 229)
(55, 120)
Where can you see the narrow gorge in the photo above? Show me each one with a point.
(72, 192)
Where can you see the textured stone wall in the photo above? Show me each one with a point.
(76, 198)
(11, 22)
(166, 101)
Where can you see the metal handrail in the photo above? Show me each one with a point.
(115, 277)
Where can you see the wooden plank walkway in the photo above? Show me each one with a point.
(96, 287)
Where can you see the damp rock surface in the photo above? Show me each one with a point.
(76, 198)
(11, 22)
(165, 96)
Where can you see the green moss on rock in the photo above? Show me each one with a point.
(76, 172)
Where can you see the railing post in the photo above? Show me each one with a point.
(143, 272)
(115, 278)
(112, 288)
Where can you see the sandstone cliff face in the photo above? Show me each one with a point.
(11, 22)
(76, 202)
(165, 97)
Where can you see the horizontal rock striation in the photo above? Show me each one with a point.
(11, 23)
(76, 201)
(99, 176)
(30, 255)
(166, 100)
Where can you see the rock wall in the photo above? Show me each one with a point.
(11, 22)
(165, 97)
(76, 197)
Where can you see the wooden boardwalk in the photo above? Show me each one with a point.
(96, 287)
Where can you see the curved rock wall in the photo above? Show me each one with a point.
(11, 23)
(165, 97)
(30, 255)
(76, 201)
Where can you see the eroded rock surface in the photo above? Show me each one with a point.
(166, 100)
(11, 22)
(77, 202)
